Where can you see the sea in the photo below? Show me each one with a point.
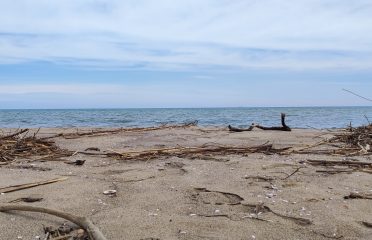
(296, 117)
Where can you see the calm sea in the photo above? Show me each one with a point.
(297, 117)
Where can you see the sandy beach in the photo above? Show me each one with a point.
(224, 196)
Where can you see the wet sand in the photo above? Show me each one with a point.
(220, 197)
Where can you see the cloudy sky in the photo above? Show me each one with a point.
(168, 53)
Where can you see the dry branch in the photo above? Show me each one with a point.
(14, 134)
(14, 188)
(284, 127)
(85, 223)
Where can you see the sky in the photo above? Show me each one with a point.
(167, 53)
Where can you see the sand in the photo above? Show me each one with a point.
(176, 198)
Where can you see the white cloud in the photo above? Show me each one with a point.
(179, 34)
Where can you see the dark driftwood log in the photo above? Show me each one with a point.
(92, 230)
(284, 127)
(234, 129)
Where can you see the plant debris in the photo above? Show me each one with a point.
(184, 152)
(19, 145)
(94, 133)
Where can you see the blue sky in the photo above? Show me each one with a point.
(166, 53)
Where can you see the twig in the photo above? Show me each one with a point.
(14, 134)
(292, 173)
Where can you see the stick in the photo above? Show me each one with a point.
(92, 230)
(292, 173)
(14, 188)
(339, 163)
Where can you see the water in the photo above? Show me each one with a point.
(297, 117)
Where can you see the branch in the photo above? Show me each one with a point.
(284, 127)
(92, 230)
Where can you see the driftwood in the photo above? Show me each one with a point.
(284, 127)
(14, 188)
(93, 232)
(234, 129)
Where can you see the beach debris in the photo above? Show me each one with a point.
(64, 232)
(190, 152)
(14, 188)
(217, 197)
(366, 224)
(284, 127)
(29, 199)
(78, 162)
(10, 136)
(355, 195)
(30, 167)
(92, 149)
(334, 171)
(293, 173)
(104, 132)
(351, 166)
(349, 142)
(92, 231)
(111, 193)
(260, 178)
(19, 145)
(234, 129)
